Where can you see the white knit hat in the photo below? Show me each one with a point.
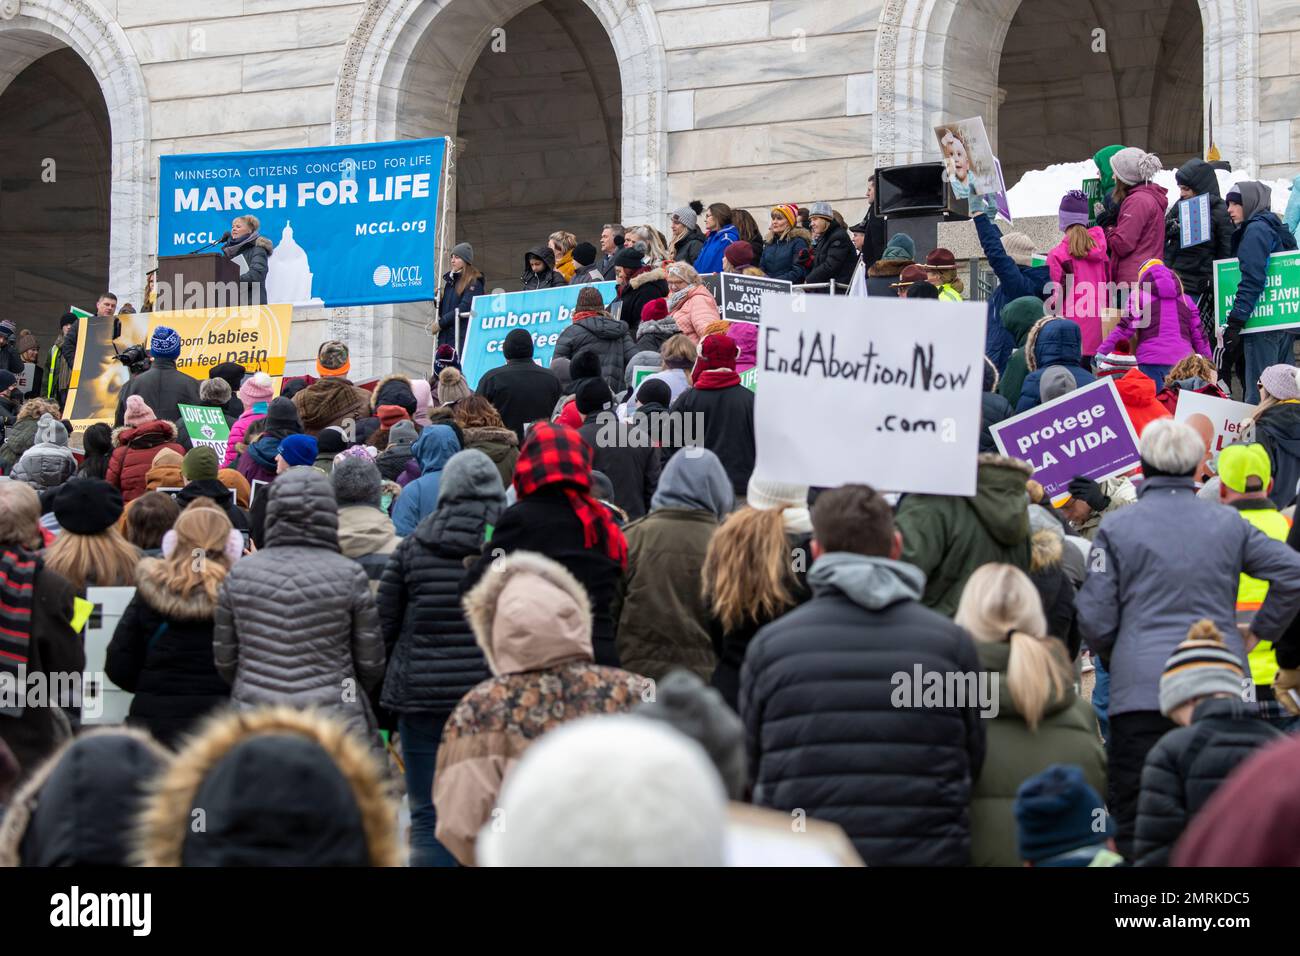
(774, 496)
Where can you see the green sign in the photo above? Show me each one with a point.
(1038, 259)
(749, 379)
(1092, 189)
(640, 374)
(206, 425)
(1279, 304)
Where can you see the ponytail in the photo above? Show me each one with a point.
(1038, 673)
(1080, 240)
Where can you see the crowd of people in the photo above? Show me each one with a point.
(412, 585)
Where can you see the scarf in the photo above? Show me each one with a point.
(676, 298)
(716, 378)
(17, 579)
(556, 455)
(231, 249)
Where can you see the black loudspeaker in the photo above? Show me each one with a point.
(911, 190)
(924, 230)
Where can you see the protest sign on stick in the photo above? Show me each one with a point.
(881, 391)
(1084, 433)
(1224, 414)
(1279, 302)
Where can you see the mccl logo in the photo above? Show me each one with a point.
(400, 278)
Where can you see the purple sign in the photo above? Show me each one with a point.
(1085, 432)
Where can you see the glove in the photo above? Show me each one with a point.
(1089, 492)
(1229, 354)
(1284, 683)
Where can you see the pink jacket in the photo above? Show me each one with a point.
(1083, 296)
(696, 312)
(745, 335)
(238, 429)
(1139, 233)
(1166, 322)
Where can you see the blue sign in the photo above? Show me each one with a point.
(544, 313)
(1194, 220)
(351, 225)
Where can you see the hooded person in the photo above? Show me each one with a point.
(539, 269)
(165, 470)
(199, 469)
(332, 399)
(432, 450)
(394, 459)
(238, 484)
(366, 534)
(161, 650)
(433, 658)
(1138, 393)
(1258, 235)
(49, 823)
(319, 798)
(663, 618)
(256, 394)
(258, 462)
(614, 791)
(993, 407)
(1056, 342)
(1105, 210)
(164, 387)
(1160, 321)
(555, 514)
(947, 537)
(899, 253)
(138, 441)
(532, 620)
(49, 462)
(628, 455)
(1138, 233)
(592, 329)
(1195, 264)
(395, 392)
(423, 391)
(300, 576)
(521, 391)
(727, 408)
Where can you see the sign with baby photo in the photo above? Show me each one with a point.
(1224, 414)
(969, 163)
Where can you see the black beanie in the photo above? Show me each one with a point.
(397, 391)
(630, 258)
(232, 372)
(586, 364)
(593, 395)
(87, 506)
(282, 418)
(331, 441)
(518, 345)
(584, 253)
(292, 386)
(654, 390)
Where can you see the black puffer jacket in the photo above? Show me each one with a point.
(822, 730)
(609, 338)
(1187, 765)
(433, 657)
(833, 258)
(548, 278)
(688, 246)
(162, 653)
(639, 290)
(1195, 264)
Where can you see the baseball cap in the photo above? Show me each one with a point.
(1239, 463)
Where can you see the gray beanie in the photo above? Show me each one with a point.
(214, 391)
(471, 474)
(686, 216)
(1056, 381)
(49, 430)
(403, 433)
(687, 704)
(356, 482)
(464, 250)
(822, 209)
(1132, 165)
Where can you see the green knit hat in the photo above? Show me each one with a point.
(200, 464)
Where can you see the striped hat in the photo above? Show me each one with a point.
(1199, 667)
(1116, 363)
(789, 210)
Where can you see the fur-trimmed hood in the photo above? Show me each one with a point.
(794, 232)
(79, 807)
(888, 267)
(156, 432)
(528, 613)
(379, 387)
(1001, 498)
(152, 589)
(306, 766)
(640, 279)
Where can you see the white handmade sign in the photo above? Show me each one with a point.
(1224, 414)
(880, 391)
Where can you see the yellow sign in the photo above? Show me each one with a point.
(255, 336)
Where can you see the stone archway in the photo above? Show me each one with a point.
(940, 59)
(85, 27)
(404, 74)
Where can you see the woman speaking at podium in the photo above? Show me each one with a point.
(250, 250)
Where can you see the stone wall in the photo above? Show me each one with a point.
(1279, 88)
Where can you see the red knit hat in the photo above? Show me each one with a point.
(654, 310)
(390, 415)
(716, 352)
(739, 253)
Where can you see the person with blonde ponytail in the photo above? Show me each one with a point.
(1040, 720)
(162, 649)
(754, 572)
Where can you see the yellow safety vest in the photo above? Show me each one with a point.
(1252, 591)
(948, 294)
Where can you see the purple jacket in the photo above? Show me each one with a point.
(1169, 331)
(251, 470)
(409, 473)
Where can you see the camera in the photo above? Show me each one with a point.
(135, 358)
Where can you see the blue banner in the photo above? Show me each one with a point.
(544, 313)
(352, 225)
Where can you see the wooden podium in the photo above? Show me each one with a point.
(211, 270)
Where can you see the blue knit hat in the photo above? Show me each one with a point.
(298, 449)
(1057, 811)
(165, 343)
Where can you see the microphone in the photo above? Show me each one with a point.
(225, 237)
